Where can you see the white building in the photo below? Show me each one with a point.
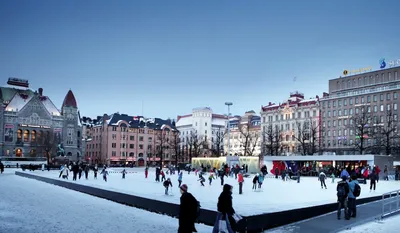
(295, 120)
(245, 135)
(205, 126)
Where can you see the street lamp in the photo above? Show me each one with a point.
(229, 104)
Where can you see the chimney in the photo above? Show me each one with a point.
(269, 104)
(41, 91)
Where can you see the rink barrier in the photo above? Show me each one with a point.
(249, 224)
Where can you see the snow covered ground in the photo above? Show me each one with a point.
(276, 195)
(32, 206)
(387, 225)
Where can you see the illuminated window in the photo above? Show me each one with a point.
(33, 136)
(26, 135)
(19, 135)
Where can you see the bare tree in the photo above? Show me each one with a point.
(273, 139)
(302, 136)
(248, 139)
(315, 133)
(47, 145)
(385, 133)
(175, 147)
(162, 143)
(362, 130)
(218, 142)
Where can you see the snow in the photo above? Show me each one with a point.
(387, 225)
(17, 102)
(276, 195)
(49, 105)
(32, 206)
(184, 121)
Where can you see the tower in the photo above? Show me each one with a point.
(72, 128)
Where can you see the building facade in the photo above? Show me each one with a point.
(32, 126)
(122, 139)
(201, 133)
(372, 96)
(244, 135)
(291, 127)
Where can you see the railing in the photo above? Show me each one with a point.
(390, 203)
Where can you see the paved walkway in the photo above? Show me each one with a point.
(330, 224)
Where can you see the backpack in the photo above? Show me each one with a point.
(357, 190)
(341, 193)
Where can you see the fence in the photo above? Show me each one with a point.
(390, 203)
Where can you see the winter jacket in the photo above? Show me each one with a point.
(373, 177)
(167, 183)
(260, 179)
(180, 177)
(240, 178)
(352, 185)
(346, 188)
(322, 176)
(187, 213)
(344, 173)
(255, 179)
(65, 172)
(225, 201)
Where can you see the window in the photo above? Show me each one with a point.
(205, 132)
(334, 125)
(140, 138)
(345, 112)
(323, 114)
(348, 84)
(356, 100)
(368, 99)
(351, 101)
(26, 135)
(345, 102)
(314, 113)
(368, 108)
(390, 76)
(329, 104)
(329, 124)
(114, 128)
(114, 145)
(339, 123)
(113, 153)
(33, 136)
(329, 113)
(350, 111)
(395, 95)
(339, 103)
(382, 108)
(114, 136)
(340, 113)
(334, 103)
(131, 154)
(131, 146)
(131, 138)
(395, 75)
(388, 96)
(375, 108)
(362, 99)
(381, 97)
(388, 107)
(394, 107)
(375, 98)
(395, 117)
(205, 124)
(141, 146)
(299, 115)
(334, 113)
(345, 122)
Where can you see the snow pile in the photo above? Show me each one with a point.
(387, 225)
(275, 196)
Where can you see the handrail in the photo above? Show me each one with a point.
(390, 199)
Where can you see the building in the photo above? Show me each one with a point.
(32, 126)
(291, 127)
(130, 140)
(201, 133)
(245, 135)
(356, 111)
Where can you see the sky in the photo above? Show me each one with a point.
(164, 58)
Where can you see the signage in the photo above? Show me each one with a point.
(35, 126)
(392, 63)
(356, 71)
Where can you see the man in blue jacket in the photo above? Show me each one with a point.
(351, 205)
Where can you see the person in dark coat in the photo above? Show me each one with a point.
(87, 169)
(342, 194)
(373, 179)
(158, 171)
(225, 205)
(75, 170)
(1, 167)
(276, 173)
(187, 211)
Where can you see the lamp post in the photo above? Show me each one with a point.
(229, 104)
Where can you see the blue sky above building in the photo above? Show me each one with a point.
(177, 55)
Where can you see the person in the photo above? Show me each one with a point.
(187, 211)
(123, 173)
(225, 207)
(201, 179)
(377, 172)
(180, 177)
(240, 180)
(255, 180)
(42, 167)
(260, 180)
(221, 176)
(64, 172)
(210, 178)
(105, 173)
(322, 178)
(351, 200)
(166, 184)
(333, 177)
(385, 172)
(87, 169)
(75, 170)
(96, 169)
(1, 167)
(80, 170)
(342, 193)
(372, 181)
(298, 175)
(276, 173)
(162, 175)
(158, 174)
(146, 172)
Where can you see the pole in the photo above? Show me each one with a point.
(229, 129)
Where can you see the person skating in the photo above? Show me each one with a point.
(211, 178)
(87, 169)
(372, 181)
(201, 179)
(276, 173)
(342, 193)
(322, 178)
(158, 174)
(333, 177)
(180, 178)
(377, 172)
(64, 172)
(75, 170)
(105, 173)
(61, 170)
(95, 170)
(221, 176)
(162, 175)
(225, 207)
(260, 180)
(146, 172)
(80, 169)
(255, 181)
(123, 173)
(354, 192)
(385, 173)
(298, 175)
(240, 181)
(187, 211)
(166, 184)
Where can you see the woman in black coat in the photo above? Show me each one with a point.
(225, 205)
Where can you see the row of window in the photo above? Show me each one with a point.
(289, 116)
(131, 154)
(340, 85)
(351, 142)
(349, 112)
(362, 99)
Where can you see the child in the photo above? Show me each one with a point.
(105, 174)
(211, 177)
(166, 184)
(180, 178)
(260, 180)
(162, 175)
(255, 180)
(123, 174)
(95, 172)
(201, 179)
(333, 178)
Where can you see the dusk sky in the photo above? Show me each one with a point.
(178, 55)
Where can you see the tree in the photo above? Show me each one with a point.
(248, 138)
(218, 142)
(359, 123)
(302, 136)
(47, 145)
(162, 143)
(385, 133)
(315, 133)
(272, 139)
(175, 147)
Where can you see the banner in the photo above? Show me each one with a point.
(8, 132)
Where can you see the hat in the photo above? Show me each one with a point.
(184, 187)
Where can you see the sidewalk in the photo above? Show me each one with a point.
(330, 224)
